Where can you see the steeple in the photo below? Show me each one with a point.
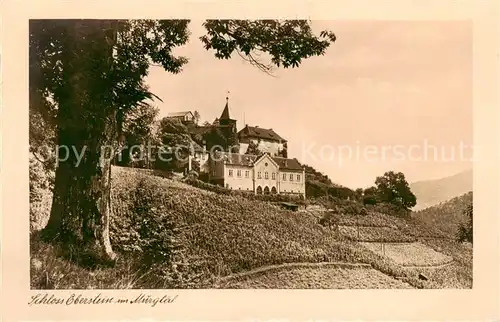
(225, 112)
(226, 121)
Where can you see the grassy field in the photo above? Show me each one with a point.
(172, 235)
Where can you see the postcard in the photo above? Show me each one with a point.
(250, 160)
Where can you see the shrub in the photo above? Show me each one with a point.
(148, 229)
(369, 200)
(354, 208)
(390, 209)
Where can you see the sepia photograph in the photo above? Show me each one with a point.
(250, 154)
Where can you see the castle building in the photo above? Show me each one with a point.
(264, 174)
(266, 140)
(267, 173)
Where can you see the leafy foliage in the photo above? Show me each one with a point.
(177, 144)
(138, 132)
(287, 42)
(253, 149)
(393, 188)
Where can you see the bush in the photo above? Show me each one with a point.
(148, 229)
(369, 200)
(390, 209)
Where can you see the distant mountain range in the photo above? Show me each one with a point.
(433, 192)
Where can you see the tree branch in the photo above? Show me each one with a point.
(268, 69)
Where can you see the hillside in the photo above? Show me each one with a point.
(319, 184)
(433, 192)
(446, 216)
(172, 235)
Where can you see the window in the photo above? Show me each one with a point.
(230, 172)
(284, 176)
(238, 173)
(298, 177)
(291, 177)
(266, 175)
(273, 176)
(259, 176)
(247, 173)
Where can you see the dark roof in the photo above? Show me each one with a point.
(196, 147)
(178, 114)
(225, 112)
(246, 160)
(288, 164)
(259, 133)
(249, 159)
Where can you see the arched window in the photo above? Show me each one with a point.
(266, 190)
(274, 191)
(259, 190)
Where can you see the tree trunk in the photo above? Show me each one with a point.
(86, 120)
(81, 207)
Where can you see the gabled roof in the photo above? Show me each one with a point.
(288, 164)
(266, 155)
(245, 160)
(177, 114)
(256, 132)
(248, 160)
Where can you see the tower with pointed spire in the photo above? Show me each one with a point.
(226, 121)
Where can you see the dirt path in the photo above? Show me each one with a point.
(428, 266)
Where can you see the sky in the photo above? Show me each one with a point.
(387, 95)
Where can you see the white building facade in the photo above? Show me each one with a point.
(263, 174)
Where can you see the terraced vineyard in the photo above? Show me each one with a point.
(410, 254)
(374, 234)
(320, 278)
(218, 236)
